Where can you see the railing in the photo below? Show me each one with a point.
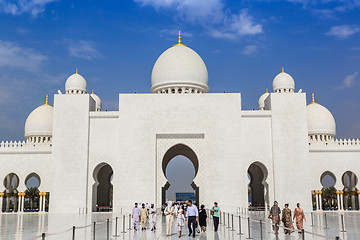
(22, 145)
(336, 142)
(252, 225)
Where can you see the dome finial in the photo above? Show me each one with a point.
(92, 91)
(76, 71)
(267, 91)
(179, 41)
(282, 69)
(47, 101)
(313, 98)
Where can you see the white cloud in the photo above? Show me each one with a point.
(250, 50)
(190, 10)
(210, 14)
(343, 31)
(237, 26)
(13, 55)
(18, 7)
(349, 81)
(82, 49)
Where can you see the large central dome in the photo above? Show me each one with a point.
(179, 70)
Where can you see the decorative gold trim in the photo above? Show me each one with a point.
(47, 101)
(179, 41)
(313, 99)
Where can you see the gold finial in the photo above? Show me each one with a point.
(179, 41)
(47, 101)
(267, 91)
(282, 69)
(92, 91)
(313, 98)
(76, 71)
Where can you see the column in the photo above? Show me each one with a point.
(317, 199)
(1, 201)
(320, 200)
(358, 194)
(20, 202)
(338, 199)
(44, 201)
(341, 197)
(40, 201)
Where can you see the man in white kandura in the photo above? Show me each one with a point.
(169, 213)
(152, 216)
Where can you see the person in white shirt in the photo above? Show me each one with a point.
(153, 217)
(180, 221)
(169, 213)
(192, 214)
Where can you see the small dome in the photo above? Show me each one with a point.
(320, 120)
(97, 100)
(76, 84)
(283, 82)
(262, 100)
(40, 122)
(179, 68)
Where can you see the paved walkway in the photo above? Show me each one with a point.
(29, 226)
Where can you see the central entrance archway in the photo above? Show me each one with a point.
(174, 151)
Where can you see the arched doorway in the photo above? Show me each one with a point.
(10, 200)
(32, 198)
(349, 180)
(102, 188)
(183, 153)
(329, 197)
(258, 188)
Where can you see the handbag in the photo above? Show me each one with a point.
(197, 227)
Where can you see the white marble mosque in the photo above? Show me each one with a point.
(85, 159)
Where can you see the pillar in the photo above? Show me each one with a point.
(341, 198)
(1, 201)
(320, 200)
(40, 201)
(338, 200)
(20, 202)
(358, 196)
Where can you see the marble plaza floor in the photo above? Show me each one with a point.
(31, 226)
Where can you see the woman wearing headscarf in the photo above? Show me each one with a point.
(202, 218)
(169, 213)
(275, 216)
(299, 217)
(286, 219)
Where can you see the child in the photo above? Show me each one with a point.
(181, 221)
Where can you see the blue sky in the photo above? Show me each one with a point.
(115, 44)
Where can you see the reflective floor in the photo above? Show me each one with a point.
(59, 226)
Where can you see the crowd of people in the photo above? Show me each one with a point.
(189, 212)
(180, 212)
(287, 218)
